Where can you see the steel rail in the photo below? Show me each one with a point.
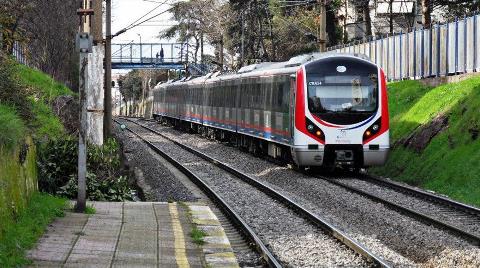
(429, 197)
(423, 194)
(316, 220)
(238, 221)
(473, 238)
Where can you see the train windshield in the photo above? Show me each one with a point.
(344, 91)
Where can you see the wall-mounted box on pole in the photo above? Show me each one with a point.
(84, 43)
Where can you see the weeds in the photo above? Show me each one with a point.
(90, 210)
(197, 235)
(21, 234)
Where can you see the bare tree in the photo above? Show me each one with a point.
(427, 8)
(47, 30)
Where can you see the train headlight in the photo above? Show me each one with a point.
(372, 130)
(314, 129)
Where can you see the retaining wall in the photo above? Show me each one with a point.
(18, 180)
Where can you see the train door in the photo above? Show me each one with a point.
(293, 90)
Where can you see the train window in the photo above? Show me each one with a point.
(341, 94)
(343, 86)
(267, 94)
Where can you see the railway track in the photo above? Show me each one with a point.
(319, 223)
(235, 219)
(460, 219)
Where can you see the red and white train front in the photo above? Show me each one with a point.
(341, 114)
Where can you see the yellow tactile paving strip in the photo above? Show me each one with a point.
(180, 251)
(217, 249)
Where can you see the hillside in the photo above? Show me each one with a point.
(33, 116)
(435, 138)
(27, 120)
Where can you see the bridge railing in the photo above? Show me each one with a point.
(150, 53)
(442, 50)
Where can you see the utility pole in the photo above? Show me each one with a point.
(84, 44)
(322, 25)
(107, 119)
(96, 81)
(141, 50)
(243, 40)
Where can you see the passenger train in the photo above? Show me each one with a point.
(323, 110)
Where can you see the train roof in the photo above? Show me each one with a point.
(265, 68)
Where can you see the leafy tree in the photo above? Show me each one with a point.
(452, 8)
(12, 16)
(131, 86)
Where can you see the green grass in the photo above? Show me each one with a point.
(197, 236)
(21, 234)
(12, 128)
(47, 87)
(90, 210)
(46, 123)
(451, 162)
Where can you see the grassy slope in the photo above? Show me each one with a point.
(20, 231)
(451, 162)
(12, 128)
(30, 224)
(47, 87)
(44, 90)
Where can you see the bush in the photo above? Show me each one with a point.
(57, 161)
(12, 128)
(58, 170)
(116, 189)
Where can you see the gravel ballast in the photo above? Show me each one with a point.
(164, 187)
(445, 214)
(393, 236)
(294, 241)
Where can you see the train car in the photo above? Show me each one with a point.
(315, 110)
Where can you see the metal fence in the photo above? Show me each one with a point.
(19, 53)
(442, 50)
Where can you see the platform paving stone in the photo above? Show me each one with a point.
(136, 234)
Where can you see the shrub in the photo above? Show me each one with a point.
(57, 160)
(116, 189)
(58, 170)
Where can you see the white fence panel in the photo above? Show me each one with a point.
(446, 49)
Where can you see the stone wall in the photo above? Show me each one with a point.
(18, 180)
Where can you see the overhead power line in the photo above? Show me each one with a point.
(157, 7)
(138, 22)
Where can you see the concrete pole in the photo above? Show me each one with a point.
(82, 147)
(107, 120)
(84, 46)
(95, 85)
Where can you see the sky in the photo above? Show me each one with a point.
(125, 12)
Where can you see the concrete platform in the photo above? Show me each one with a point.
(134, 235)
